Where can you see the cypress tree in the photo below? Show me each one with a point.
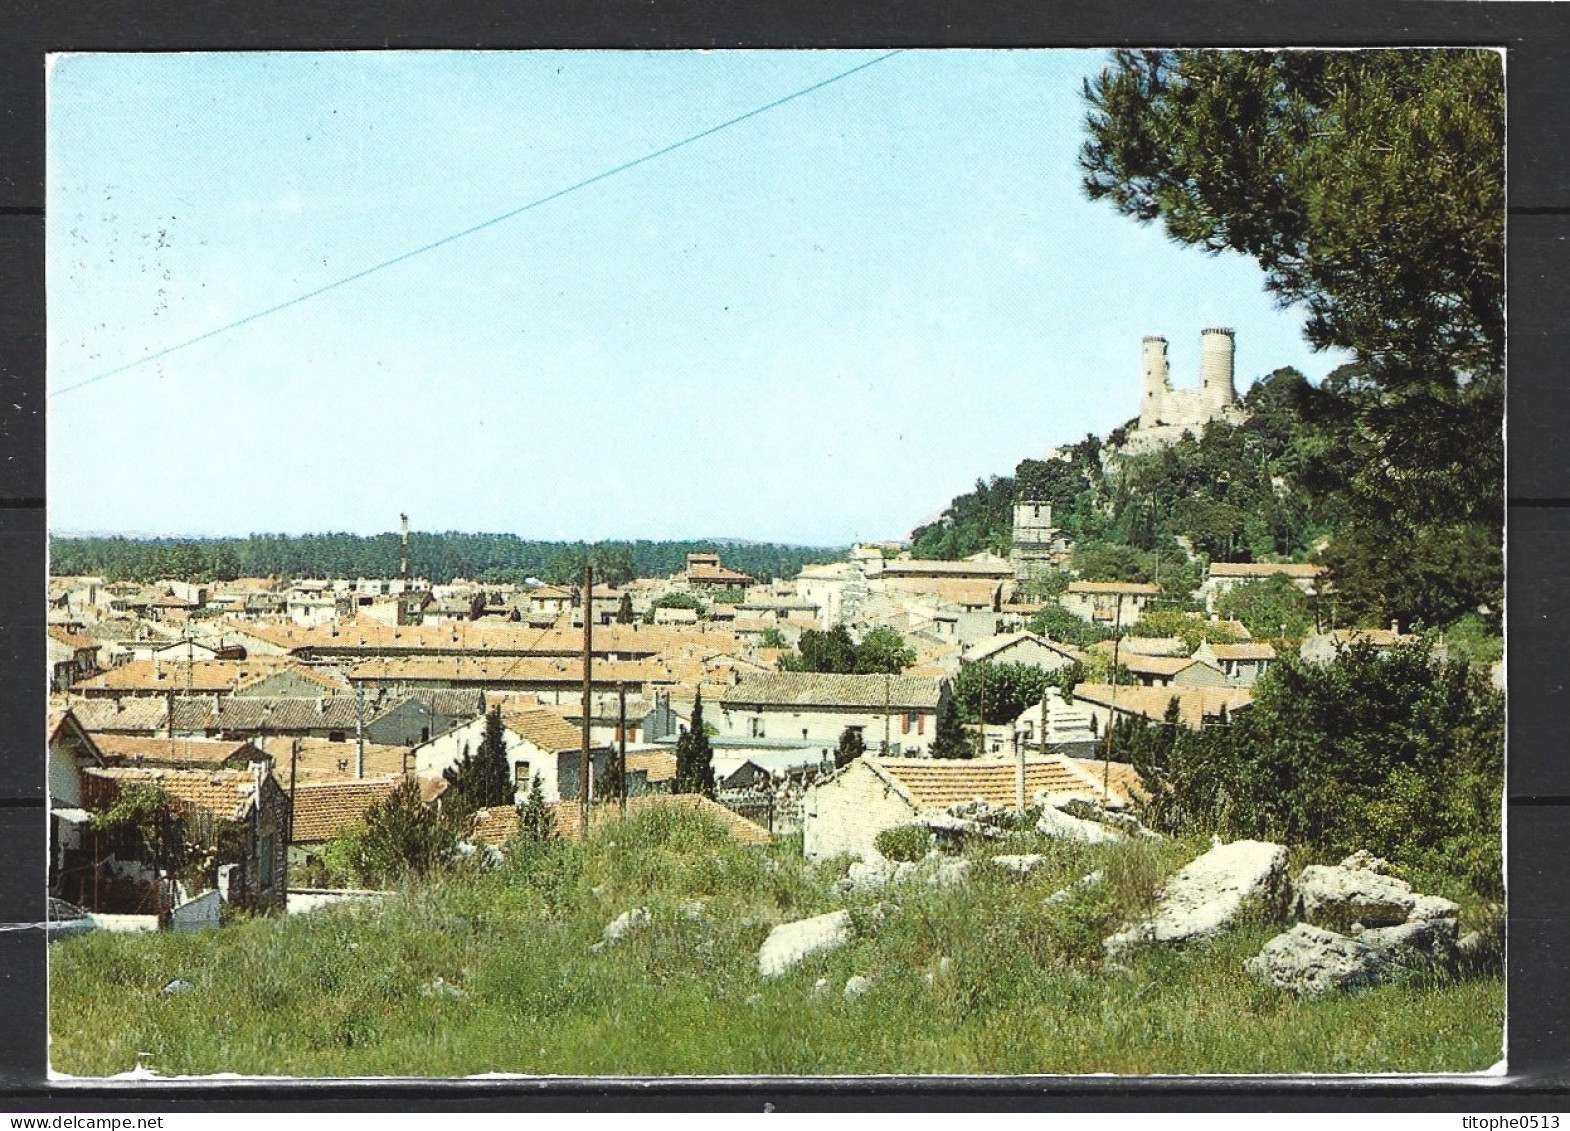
(694, 757)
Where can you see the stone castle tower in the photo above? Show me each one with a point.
(1166, 413)
(1162, 405)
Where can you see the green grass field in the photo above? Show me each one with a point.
(345, 992)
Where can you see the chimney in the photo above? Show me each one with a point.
(1395, 628)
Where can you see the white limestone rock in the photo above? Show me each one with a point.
(1021, 864)
(1063, 826)
(789, 943)
(1414, 945)
(1433, 907)
(625, 923)
(874, 873)
(948, 871)
(1336, 896)
(1208, 894)
(1365, 861)
(857, 985)
(1311, 960)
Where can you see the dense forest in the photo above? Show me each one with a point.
(492, 558)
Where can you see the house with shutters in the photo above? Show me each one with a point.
(539, 742)
(815, 708)
(1108, 602)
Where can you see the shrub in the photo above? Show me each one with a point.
(904, 842)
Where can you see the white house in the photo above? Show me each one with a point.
(538, 741)
(1224, 577)
(817, 707)
(845, 812)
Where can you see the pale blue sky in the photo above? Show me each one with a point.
(815, 326)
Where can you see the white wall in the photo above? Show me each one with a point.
(823, 727)
(846, 813)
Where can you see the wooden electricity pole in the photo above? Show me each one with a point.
(981, 715)
(1112, 700)
(584, 765)
(621, 746)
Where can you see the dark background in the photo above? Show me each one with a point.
(1538, 632)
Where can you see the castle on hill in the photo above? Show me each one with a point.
(1166, 413)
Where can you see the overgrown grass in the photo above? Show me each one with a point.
(351, 990)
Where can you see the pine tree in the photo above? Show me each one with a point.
(694, 757)
(484, 779)
(851, 747)
(535, 822)
(950, 739)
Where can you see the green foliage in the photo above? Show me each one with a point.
(980, 520)
(483, 779)
(1269, 607)
(1192, 631)
(1009, 689)
(399, 838)
(903, 843)
(851, 746)
(535, 823)
(729, 597)
(1398, 754)
(882, 650)
(1056, 623)
(346, 991)
(1321, 166)
(949, 739)
(151, 817)
(694, 756)
(678, 601)
(1475, 639)
(487, 558)
(624, 609)
(772, 638)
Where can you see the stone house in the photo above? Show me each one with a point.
(1022, 648)
(240, 818)
(1197, 706)
(1173, 671)
(324, 809)
(70, 751)
(1108, 602)
(845, 812)
(1242, 663)
(1324, 647)
(1223, 577)
(817, 707)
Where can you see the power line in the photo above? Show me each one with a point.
(494, 220)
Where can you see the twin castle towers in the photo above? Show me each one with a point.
(1161, 405)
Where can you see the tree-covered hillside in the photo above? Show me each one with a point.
(1369, 187)
(491, 558)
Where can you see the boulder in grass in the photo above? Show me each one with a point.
(625, 923)
(1021, 864)
(1433, 907)
(1063, 895)
(1335, 897)
(1365, 861)
(1419, 944)
(857, 985)
(789, 943)
(1208, 894)
(1064, 826)
(1312, 960)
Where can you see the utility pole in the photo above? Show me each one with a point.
(887, 680)
(294, 757)
(981, 715)
(621, 746)
(1112, 707)
(403, 562)
(1019, 773)
(584, 765)
(359, 729)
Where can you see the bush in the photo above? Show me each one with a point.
(904, 843)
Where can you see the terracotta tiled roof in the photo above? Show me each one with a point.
(496, 825)
(1155, 665)
(1243, 651)
(503, 670)
(1266, 569)
(543, 727)
(936, 783)
(324, 809)
(1120, 776)
(1195, 704)
(317, 759)
(1143, 646)
(498, 638)
(915, 567)
(817, 689)
(1129, 588)
(203, 676)
(119, 749)
(225, 794)
(71, 639)
(134, 714)
(659, 764)
(985, 649)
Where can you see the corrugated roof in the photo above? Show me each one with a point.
(821, 689)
